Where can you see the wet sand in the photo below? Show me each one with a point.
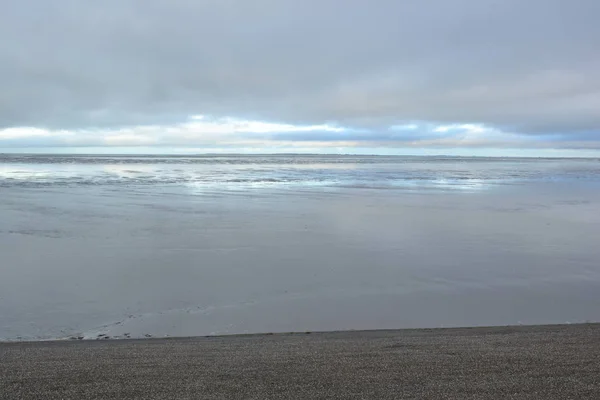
(525, 362)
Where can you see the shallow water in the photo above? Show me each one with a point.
(204, 245)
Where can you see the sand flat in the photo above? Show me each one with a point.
(525, 362)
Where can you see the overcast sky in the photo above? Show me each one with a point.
(387, 76)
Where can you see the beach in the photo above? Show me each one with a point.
(523, 362)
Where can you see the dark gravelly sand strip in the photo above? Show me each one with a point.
(526, 362)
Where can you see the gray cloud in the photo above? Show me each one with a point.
(522, 66)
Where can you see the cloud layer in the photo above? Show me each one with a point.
(510, 73)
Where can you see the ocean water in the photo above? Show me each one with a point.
(136, 246)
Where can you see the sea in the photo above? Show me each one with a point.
(114, 246)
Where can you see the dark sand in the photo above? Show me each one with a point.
(538, 362)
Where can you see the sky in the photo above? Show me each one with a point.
(466, 77)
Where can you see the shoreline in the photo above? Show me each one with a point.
(482, 328)
(535, 361)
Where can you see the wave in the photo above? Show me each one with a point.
(32, 171)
